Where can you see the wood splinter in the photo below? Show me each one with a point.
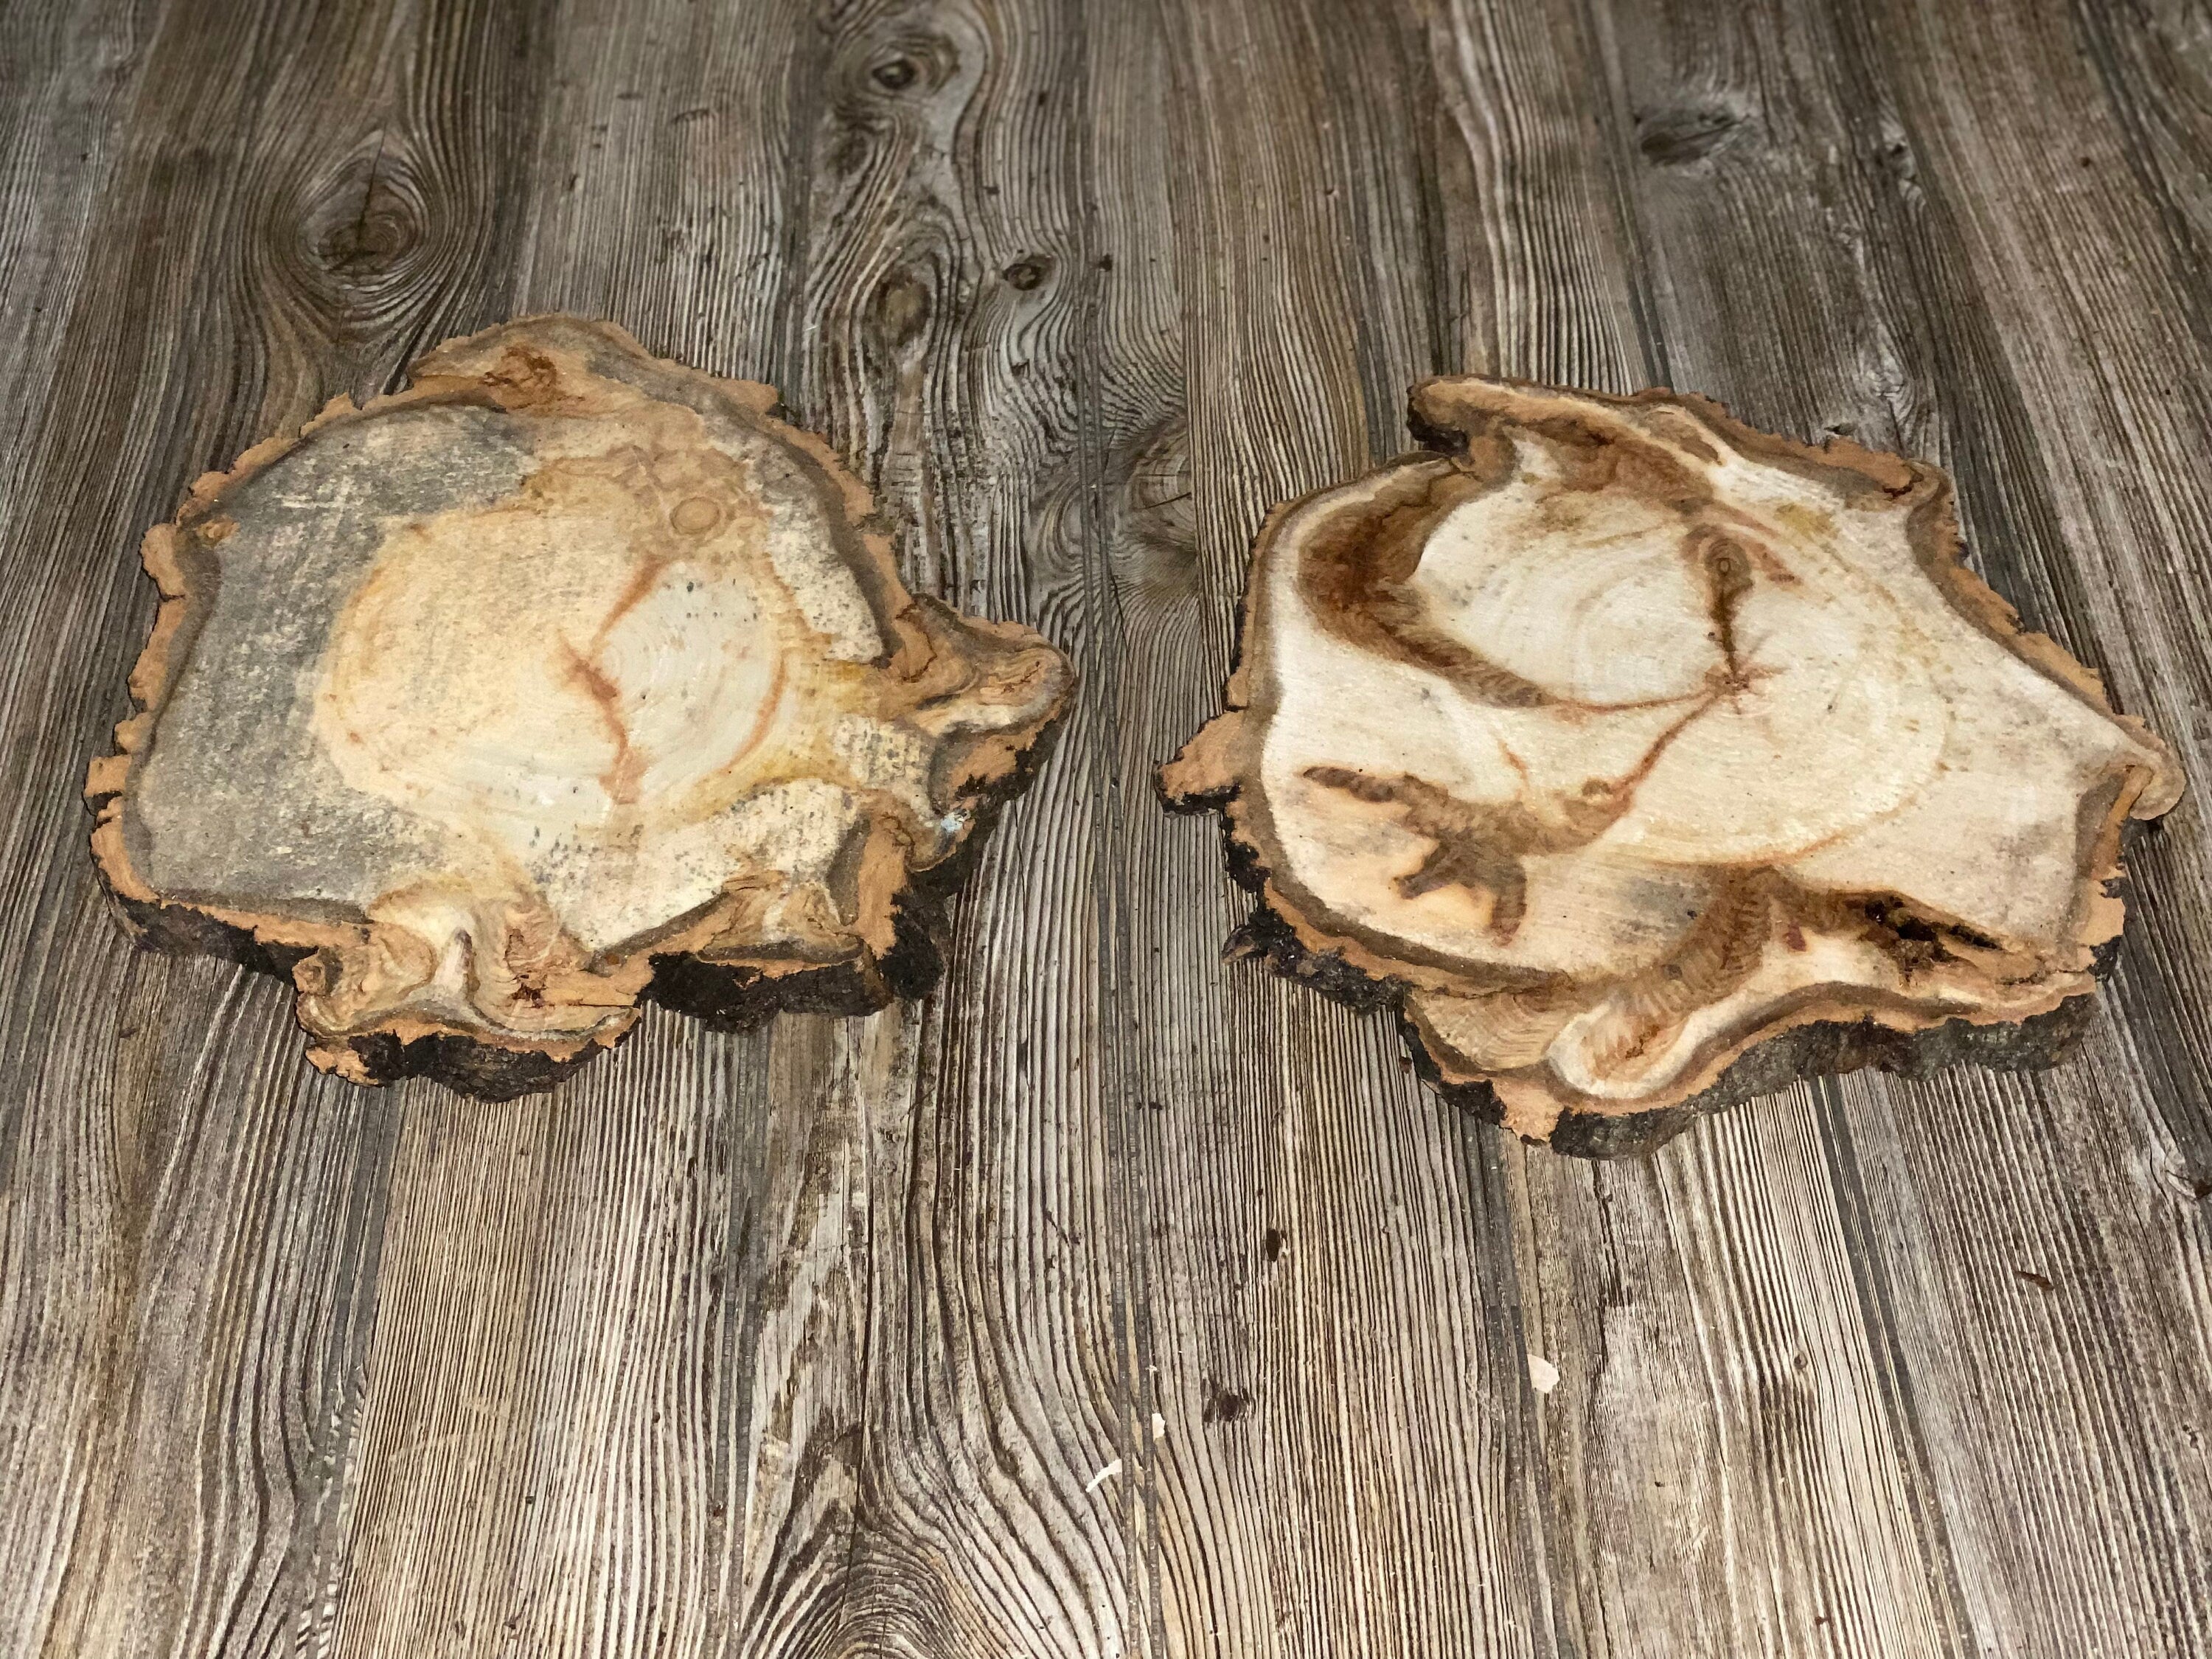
(567, 677)
(1646, 762)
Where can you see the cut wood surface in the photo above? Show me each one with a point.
(1617, 739)
(565, 678)
(1110, 1299)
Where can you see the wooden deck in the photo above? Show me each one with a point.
(1118, 1301)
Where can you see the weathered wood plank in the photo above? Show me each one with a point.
(189, 1230)
(610, 1318)
(1344, 1403)
(841, 1434)
(1712, 1372)
(1130, 537)
(1539, 249)
(2060, 1421)
(1776, 180)
(2096, 321)
(66, 73)
(668, 187)
(1543, 283)
(946, 281)
(207, 1348)
(533, 1461)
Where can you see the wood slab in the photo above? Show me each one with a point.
(567, 677)
(1645, 761)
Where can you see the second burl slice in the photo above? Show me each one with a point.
(1646, 761)
(567, 677)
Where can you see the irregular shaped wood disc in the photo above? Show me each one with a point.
(1616, 738)
(565, 677)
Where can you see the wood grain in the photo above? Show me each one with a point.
(186, 1242)
(823, 1340)
(945, 277)
(578, 1547)
(1333, 1309)
(2126, 1226)
(1716, 1374)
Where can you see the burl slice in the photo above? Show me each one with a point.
(1614, 740)
(567, 677)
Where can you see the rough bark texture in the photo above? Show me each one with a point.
(1614, 739)
(567, 677)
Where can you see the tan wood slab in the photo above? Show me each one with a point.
(565, 678)
(1619, 739)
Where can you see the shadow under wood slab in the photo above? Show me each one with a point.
(565, 677)
(1646, 762)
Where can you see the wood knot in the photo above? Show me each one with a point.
(1027, 273)
(1154, 542)
(899, 309)
(1683, 136)
(1225, 1405)
(694, 516)
(1894, 155)
(904, 64)
(366, 220)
